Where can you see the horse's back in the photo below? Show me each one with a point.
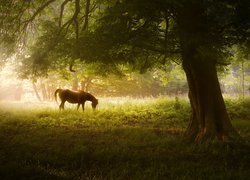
(70, 96)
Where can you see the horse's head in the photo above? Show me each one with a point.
(94, 103)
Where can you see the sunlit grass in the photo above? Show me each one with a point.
(123, 139)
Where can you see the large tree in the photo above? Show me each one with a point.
(201, 32)
(144, 33)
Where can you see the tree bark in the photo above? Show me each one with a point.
(209, 118)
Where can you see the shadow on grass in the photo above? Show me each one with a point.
(38, 152)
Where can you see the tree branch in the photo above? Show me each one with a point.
(40, 9)
(71, 67)
(75, 18)
(61, 12)
(166, 36)
(86, 19)
(158, 50)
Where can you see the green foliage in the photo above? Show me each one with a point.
(235, 77)
(142, 33)
(238, 108)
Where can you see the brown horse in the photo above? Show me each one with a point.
(79, 97)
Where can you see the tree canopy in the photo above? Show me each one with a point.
(142, 33)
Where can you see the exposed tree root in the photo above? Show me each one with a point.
(204, 136)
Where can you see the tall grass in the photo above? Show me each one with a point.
(123, 139)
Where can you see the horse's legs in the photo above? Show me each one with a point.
(78, 105)
(83, 105)
(62, 105)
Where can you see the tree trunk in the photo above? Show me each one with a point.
(44, 91)
(86, 18)
(209, 117)
(75, 82)
(243, 79)
(85, 84)
(36, 91)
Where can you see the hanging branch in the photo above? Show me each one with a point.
(62, 10)
(166, 36)
(40, 9)
(91, 9)
(75, 18)
(71, 67)
(23, 9)
(86, 17)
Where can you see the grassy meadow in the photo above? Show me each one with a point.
(123, 139)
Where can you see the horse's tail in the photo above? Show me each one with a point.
(57, 91)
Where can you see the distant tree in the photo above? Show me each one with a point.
(235, 77)
(143, 33)
(173, 78)
(240, 61)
